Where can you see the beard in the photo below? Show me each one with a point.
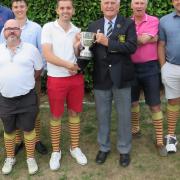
(12, 38)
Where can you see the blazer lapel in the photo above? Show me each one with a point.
(118, 25)
(101, 25)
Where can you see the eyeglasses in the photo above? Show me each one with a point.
(11, 29)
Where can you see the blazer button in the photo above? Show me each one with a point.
(109, 65)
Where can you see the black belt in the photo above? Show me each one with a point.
(19, 97)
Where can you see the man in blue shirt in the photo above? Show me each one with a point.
(169, 58)
(5, 14)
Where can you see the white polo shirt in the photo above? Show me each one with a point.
(17, 69)
(62, 46)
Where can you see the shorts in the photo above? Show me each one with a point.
(170, 74)
(65, 89)
(149, 83)
(19, 112)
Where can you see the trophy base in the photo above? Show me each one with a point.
(84, 58)
(83, 62)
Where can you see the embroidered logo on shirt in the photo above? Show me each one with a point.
(122, 38)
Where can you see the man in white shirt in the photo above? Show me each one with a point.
(31, 33)
(20, 65)
(63, 84)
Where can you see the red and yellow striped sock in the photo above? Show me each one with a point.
(30, 140)
(135, 115)
(18, 136)
(157, 118)
(37, 127)
(9, 140)
(74, 127)
(172, 116)
(55, 130)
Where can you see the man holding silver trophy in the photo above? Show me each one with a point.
(63, 84)
(113, 75)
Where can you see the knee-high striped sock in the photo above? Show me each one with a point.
(135, 115)
(9, 140)
(18, 136)
(157, 118)
(30, 140)
(55, 130)
(37, 127)
(172, 115)
(74, 127)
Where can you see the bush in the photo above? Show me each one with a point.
(43, 11)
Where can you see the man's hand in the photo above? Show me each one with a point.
(77, 41)
(145, 38)
(72, 68)
(101, 39)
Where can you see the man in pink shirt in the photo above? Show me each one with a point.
(146, 71)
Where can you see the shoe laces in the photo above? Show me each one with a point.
(31, 162)
(78, 151)
(56, 155)
(171, 139)
(9, 161)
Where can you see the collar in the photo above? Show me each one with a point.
(144, 19)
(17, 47)
(26, 23)
(112, 20)
(72, 29)
(174, 13)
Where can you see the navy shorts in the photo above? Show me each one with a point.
(19, 112)
(148, 80)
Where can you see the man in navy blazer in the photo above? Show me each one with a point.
(113, 75)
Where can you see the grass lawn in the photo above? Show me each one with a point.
(145, 164)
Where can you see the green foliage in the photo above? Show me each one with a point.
(43, 11)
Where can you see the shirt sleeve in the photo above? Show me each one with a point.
(38, 39)
(39, 46)
(162, 33)
(37, 59)
(152, 27)
(46, 34)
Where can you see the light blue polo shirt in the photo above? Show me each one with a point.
(169, 31)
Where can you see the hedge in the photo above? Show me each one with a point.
(42, 11)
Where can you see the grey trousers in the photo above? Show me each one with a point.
(122, 101)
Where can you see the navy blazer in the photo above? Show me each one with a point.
(112, 64)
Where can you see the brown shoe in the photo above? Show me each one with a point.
(137, 135)
(162, 150)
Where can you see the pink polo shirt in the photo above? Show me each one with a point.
(147, 52)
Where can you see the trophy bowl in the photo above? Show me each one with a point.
(87, 39)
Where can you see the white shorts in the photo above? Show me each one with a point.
(170, 74)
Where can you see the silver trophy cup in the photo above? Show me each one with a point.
(87, 39)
